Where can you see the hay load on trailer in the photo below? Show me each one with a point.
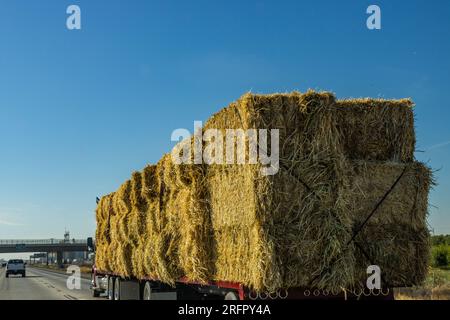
(347, 194)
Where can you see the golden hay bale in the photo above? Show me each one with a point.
(295, 228)
(310, 195)
(236, 183)
(316, 241)
(121, 200)
(150, 192)
(123, 259)
(401, 251)
(149, 186)
(101, 256)
(102, 218)
(112, 249)
(396, 237)
(159, 254)
(122, 207)
(136, 218)
(407, 203)
(138, 258)
(104, 211)
(246, 255)
(309, 156)
(367, 129)
(195, 246)
(114, 233)
(286, 236)
(376, 129)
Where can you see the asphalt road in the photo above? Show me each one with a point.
(41, 285)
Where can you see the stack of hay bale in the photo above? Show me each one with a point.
(348, 194)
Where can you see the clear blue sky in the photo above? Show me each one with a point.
(80, 110)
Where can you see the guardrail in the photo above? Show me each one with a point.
(41, 241)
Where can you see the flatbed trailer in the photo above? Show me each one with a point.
(117, 287)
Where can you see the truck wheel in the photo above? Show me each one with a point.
(23, 275)
(231, 296)
(147, 294)
(117, 288)
(110, 288)
(7, 275)
(95, 293)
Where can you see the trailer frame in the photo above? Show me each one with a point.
(220, 289)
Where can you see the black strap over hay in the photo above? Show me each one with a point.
(355, 234)
(365, 254)
(377, 206)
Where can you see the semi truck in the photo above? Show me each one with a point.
(114, 286)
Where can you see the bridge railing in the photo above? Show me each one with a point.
(41, 241)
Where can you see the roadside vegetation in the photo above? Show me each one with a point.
(437, 284)
(85, 268)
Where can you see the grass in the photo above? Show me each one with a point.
(436, 287)
(437, 284)
(84, 269)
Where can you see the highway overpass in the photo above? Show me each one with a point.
(44, 245)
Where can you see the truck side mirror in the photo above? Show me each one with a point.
(90, 244)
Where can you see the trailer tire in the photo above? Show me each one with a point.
(147, 292)
(110, 288)
(117, 288)
(95, 293)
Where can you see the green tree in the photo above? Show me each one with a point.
(440, 240)
(441, 255)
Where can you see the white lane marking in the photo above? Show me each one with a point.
(59, 281)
